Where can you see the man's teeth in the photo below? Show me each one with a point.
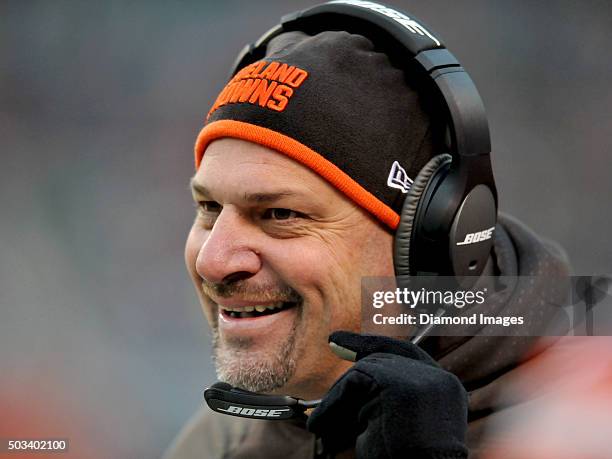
(258, 308)
(244, 312)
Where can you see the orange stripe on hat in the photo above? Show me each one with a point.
(301, 153)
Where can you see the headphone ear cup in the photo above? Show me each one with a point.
(403, 234)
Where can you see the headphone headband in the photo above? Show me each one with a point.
(412, 35)
(349, 15)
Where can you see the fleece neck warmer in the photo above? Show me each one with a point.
(334, 103)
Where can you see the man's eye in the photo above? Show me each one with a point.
(209, 206)
(280, 214)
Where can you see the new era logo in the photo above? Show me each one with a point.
(398, 178)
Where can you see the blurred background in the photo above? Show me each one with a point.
(101, 336)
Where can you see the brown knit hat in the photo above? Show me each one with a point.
(334, 103)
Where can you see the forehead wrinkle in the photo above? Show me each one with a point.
(264, 197)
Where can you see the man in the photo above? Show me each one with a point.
(294, 209)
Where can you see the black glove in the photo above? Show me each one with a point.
(395, 402)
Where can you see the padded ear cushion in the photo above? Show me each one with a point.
(401, 244)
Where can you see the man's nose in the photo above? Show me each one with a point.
(228, 254)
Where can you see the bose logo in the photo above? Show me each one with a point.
(252, 412)
(400, 18)
(398, 178)
(479, 236)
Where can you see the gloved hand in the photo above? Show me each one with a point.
(395, 402)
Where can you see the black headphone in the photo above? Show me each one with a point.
(448, 217)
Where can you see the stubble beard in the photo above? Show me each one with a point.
(239, 364)
(239, 361)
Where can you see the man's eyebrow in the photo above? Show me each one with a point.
(196, 187)
(258, 198)
(261, 198)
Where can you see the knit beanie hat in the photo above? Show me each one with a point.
(334, 103)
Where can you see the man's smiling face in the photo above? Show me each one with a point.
(276, 255)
